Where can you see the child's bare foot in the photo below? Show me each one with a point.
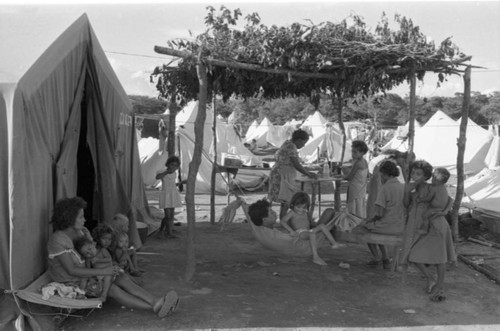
(337, 245)
(319, 261)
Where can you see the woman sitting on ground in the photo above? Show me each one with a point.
(389, 213)
(68, 223)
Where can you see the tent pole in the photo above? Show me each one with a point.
(460, 155)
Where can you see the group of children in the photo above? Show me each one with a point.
(108, 246)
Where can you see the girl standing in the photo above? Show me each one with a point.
(357, 178)
(298, 221)
(170, 197)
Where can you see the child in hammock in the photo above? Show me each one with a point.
(298, 221)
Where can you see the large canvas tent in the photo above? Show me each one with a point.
(482, 192)
(436, 142)
(66, 129)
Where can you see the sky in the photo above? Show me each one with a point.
(128, 32)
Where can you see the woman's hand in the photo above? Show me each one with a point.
(312, 175)
(410, 187)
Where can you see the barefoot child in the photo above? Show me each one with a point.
(122, 256)
(298, 221)
(357, 178)
(437, 197)
(97, 286)
(169, 196)
(120, 223)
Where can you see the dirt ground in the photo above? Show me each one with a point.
(240, 284)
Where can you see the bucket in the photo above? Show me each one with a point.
(142, 228)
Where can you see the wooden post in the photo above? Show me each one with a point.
(411, 125)
(214, 163)
(338, 183)
(194, 165)
(172, 107)
(460, 154)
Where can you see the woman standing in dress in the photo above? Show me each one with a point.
(436, 246)
(282, 184)
(357, 178)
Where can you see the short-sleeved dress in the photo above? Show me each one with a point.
(390, 197)
(282, 184)
(436, 246)
(356, 193)
(60, 243)
(374, 186)
(169, 195)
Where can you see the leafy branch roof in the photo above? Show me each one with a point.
(345, 58)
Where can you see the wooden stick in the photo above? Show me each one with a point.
(480, 242)
(479, 268)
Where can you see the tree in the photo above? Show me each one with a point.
(491, 110)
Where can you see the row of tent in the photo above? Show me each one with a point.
(326, 140)
(436, 142)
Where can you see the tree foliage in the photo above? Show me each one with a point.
(348, 59)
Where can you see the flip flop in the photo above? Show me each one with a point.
(169, 305)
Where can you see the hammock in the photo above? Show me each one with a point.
(33, 294)
(280, 241)
(286, 244)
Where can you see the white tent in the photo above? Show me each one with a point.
(314, 124)
(278, 134)
(436, 142)
(400, 139)
(482, 191)
(260, 133)
(251, 129)
(328, 142)
(492, 158)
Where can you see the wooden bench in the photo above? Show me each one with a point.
(375, 238)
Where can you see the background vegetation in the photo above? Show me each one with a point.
(388, 112)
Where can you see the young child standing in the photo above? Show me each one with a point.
(438, 198)
(170, 197)
(357, 178)
(298, 221)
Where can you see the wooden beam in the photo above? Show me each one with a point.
(293, 73)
